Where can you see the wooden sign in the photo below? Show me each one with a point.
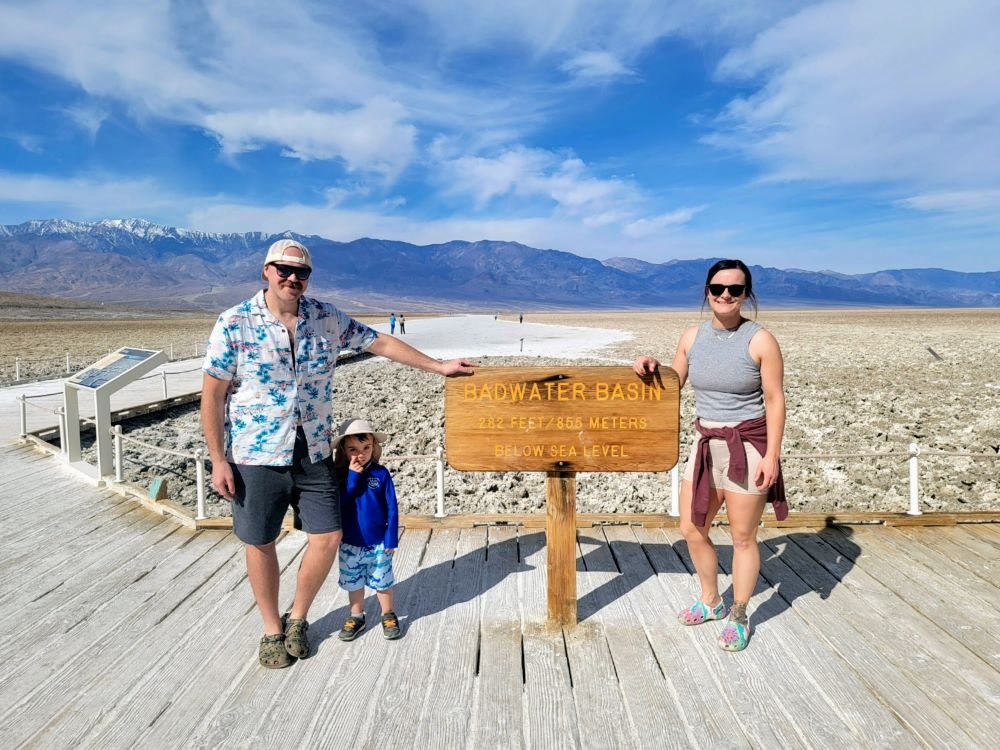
(567, 419)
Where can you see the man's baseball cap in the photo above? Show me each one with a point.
(276, 253)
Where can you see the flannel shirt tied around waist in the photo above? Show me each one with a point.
(753, 431)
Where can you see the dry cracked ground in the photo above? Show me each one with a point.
(857, 381)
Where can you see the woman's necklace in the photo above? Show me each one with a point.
(726, 333)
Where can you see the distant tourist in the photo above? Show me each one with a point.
(392, 322)
(520, 318)
(371, 525)
(737, 373)
(267, 415)
(402, 324)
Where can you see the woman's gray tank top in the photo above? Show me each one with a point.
(725, 378)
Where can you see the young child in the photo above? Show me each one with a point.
(370, 517)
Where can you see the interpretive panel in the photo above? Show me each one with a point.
(567, 419)
(111, 367)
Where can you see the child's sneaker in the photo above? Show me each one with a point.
(353, 626)
(390, 626)
(700, 612)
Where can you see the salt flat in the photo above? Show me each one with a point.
(868, 381)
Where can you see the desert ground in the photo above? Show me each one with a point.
(42, 343)
(858, 381)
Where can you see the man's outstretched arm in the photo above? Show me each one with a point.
(398, 351)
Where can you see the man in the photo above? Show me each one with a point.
(267, 415)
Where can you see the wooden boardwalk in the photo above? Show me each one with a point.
(125, 629)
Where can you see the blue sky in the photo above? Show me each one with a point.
(853, 135)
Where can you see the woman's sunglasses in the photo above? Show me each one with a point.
(735, 290)
(302, 274)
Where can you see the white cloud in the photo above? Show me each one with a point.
(565, 183)
(642, 228)
(956, 201)
(596, 66)
(542, 231)
(87, 118)
(372, 138)
(855, 91)
(487, 178)
(27, 141)
(210, 64)
(90, 197)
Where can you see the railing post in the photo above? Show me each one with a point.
(196, 349)
(914, 482)
(63, 429)
(17, 368)
(23, 406)
(675, 481)
(199, 466)
(440, 483)
(171, 352)
(119, 463)
(67, 361)
(163, 375)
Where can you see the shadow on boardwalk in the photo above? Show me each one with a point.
(776, 604)
(482, 576)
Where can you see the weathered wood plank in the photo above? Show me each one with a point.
(642, 554)
(43, 505)
(393, 720)
(709, 719)
(600, 705)
(197, 649)
(550, 719)
(64, 606)
(53, 564)
(163, 645)
(949, 575)
(663, 520)
(362, 675)
(243, 710)
(857, 633)
(973, 554)
(447, 704)
(654, 713)
(62, 686)
(742, 678)
(808, 674)
(497, 702)
(925, 593)
(925, 647)
(986, 532)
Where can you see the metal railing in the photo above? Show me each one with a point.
(40, 368)
(24, 400)
(199, 457)
(912, 456)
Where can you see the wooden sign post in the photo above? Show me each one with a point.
(562, 421)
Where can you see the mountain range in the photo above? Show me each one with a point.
(138, 263)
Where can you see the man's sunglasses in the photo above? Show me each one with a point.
(284, 271)
(735, 290)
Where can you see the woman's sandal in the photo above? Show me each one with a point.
(272, 652)
(700, 612)
(735, 635)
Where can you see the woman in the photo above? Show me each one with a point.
(737, 373)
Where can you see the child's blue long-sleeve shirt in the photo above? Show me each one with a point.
(368, 509)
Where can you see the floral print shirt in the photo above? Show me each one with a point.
(272, 392)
